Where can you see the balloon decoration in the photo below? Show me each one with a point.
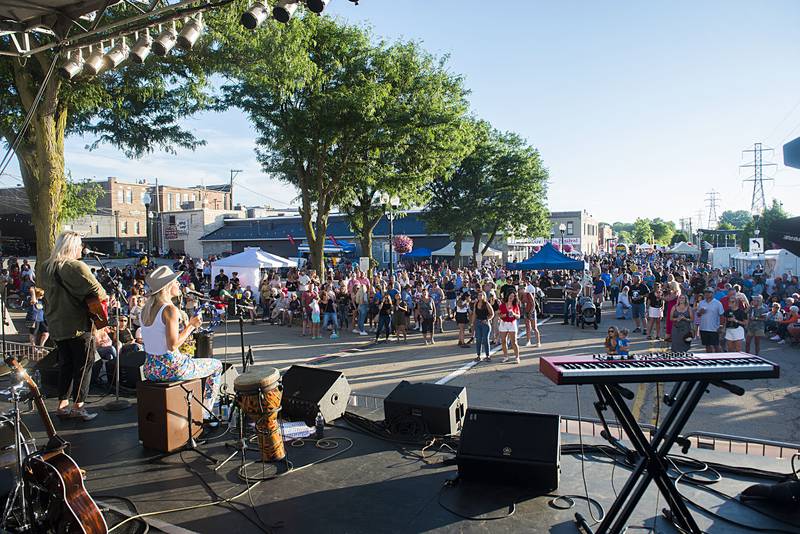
(536, 249)
(567, 248)
(556, 246)
(403, 244)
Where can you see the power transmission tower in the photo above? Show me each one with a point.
(758, 204)
(698, 215)
(712, 199)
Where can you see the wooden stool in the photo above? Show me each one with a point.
(163, 413)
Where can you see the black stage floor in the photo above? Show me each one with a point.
(373, 487)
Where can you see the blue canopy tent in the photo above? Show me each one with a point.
(417, 254)
(340, 247)
(547, 258)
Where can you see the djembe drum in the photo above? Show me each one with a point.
(259, 393)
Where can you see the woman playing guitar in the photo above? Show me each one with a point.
(71, 295)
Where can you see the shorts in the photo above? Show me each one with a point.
(637, 310)
(655, 313)
(427, 325)
(462, 318)
(507, 326)
(451, 303)
(756, 329)
(734, 334)
(709, 339)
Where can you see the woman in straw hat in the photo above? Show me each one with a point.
(162, 338)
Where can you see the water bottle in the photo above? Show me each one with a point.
(37, 377)
(320, 426)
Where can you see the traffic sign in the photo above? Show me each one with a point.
(757, 244)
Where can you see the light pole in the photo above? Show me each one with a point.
(146, 198)
(390, 204)
(562, 228)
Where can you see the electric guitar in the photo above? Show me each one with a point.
(54, 486)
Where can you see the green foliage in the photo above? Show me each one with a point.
(642, 231)
(735, 219)
(679, 237)
(725, 225)
(662, 230)
(79, 199)
(624, 236)
(622, 227)
(770, 215)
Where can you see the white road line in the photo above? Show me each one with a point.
(472, 363)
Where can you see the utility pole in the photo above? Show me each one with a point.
(712, 199)
(758, 204)
(234, 174)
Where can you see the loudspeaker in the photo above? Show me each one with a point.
(439, 408)
(511, 447)
(162, 408)
(553, 307)
(310, 390)
(129, 363)
(204, 344)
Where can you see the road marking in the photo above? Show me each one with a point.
(472, 363)
(636, 409)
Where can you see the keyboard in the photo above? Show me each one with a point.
(656, 367)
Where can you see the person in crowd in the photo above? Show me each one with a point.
(329, 309)
(221, 280)
(774, 317)
(462, 318)
(711, 313)
(437, 294)
(571, 291)
(791, 317)
(735, 321)
(314, 315)
(482, 317)
(671, 291)
(638, 295)
(427, 312)
(509, 315)
(655, 312)
(385, 310)
(756, 323)
(528, 298)
(623, 343)
(104, 345)
(295, 310)
(623, 304)
(612, 340)
(682, 319)
(400, 317)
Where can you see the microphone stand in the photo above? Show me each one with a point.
(117, 404)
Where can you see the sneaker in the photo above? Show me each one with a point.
(775, 338)
(539, 344)
(781, 342)
(529, 343)
(517, 361)
(334, 336)
(83, 414)
(355, 331)
(637, 330)
(363, 333)
(504, 360)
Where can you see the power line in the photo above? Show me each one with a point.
(758, 203)
(712, 199)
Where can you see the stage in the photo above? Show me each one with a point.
(370, 486)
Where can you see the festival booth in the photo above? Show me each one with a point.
(249, 265)
(466, 251)
(548, 258)
(685, 249)
(417, 254)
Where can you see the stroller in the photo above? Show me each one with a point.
(586, 313)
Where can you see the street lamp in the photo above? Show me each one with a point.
(146, 198)
(390, 204)
(562, 228)
(756, 217)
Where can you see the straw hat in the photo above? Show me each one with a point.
(160, 278)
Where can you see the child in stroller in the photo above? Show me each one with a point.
(586, 313)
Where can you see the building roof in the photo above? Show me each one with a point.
(281, 227)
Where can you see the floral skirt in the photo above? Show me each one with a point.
(174, 366)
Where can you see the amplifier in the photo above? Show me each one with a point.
(310, 390)
(553, 307)
(511, 447)
(439, 408)
(554, 292)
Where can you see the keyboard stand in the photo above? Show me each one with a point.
(652, 464)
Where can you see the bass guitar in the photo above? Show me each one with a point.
(58, 500)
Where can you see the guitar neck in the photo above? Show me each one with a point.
(44, 414)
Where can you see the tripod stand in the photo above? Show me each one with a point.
(191, 443)
(16, 498)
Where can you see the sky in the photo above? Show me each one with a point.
(639, 109)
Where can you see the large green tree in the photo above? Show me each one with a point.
(642, 231)
(420, 131)
(134, 107)
(735, 218)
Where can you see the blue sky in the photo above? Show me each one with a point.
(638, 108)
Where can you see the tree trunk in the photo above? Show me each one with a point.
(457, 239)
(366, 246)
(490, 239)
(476, 242)
(41, 161)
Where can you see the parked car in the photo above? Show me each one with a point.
(133, 253)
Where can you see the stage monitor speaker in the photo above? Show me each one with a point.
(511, 447)
(439, 408)
(553, 307)
(554, 292)
(129, 363)
(310, 390)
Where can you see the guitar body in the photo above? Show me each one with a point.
(98, 311)
(58, 499)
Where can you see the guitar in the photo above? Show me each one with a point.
(98, 311)
(54, 486)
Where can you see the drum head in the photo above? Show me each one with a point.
(257, 379)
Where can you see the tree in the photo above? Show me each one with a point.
(662, 230)
(679, 237)
(136, 107)
(79, 199)
(625, 236)
(770, 215)
(642, 231)
(423, 132)
(333, 110)
(725, 225)
(735, 219)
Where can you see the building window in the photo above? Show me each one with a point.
(119, 196)
(194, 197)
(570, 228)
(124, 229)
(169, 201)
(186, 197)
(138, 228)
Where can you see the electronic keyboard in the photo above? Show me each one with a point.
(656, 367)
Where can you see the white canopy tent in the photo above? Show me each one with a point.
(685, 248)
(249, 264)
(466, 250)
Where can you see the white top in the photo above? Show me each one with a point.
(154, 336)
(709, 320)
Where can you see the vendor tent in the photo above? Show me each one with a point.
(249, 264)
(685, 248)
(786, 234)
(466, 250)
(417, 253)
(548, 258)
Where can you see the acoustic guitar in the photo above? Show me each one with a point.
(54, 489)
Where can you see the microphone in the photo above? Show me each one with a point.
(89, 252)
